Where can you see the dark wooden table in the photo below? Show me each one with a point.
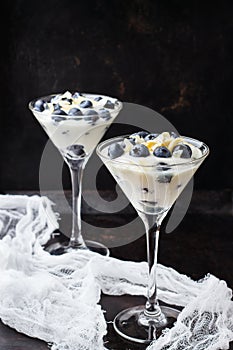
(202, 243)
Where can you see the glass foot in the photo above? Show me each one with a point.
(134, 326)
(97, 247)
(62, 247)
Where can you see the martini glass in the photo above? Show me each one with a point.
(151, 189)
(76, 135)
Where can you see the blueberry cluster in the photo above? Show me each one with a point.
(70, 107)
(145, 144)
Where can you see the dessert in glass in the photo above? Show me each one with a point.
(75, 123)
(152, 170)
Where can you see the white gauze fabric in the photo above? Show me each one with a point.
(55, 298)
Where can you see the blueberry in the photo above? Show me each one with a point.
(56, 116)
(75, 151)
(104, 114)
(86, 104)
(74, 111)
(183, 151)
(163, 177)
(142, 134)
(109, 105)
(162, 152)
(76, 94)
(91, 116)
(59, 112)
(131, 140)
(39, 105)
(173, 134)
(56, 106)
(132, 137)
(122, 144)
(139, 150)
(98, 98)
(150, 137)
(115, 150)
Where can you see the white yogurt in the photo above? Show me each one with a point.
(67, 130)
(153, 188)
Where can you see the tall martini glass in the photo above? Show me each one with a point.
(75, 123)
(151, 187)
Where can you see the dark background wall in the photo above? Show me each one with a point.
(174, 56)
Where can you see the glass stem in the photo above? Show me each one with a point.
(76, 170)
(152, 224)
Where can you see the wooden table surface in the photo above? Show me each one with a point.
(202, 243)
